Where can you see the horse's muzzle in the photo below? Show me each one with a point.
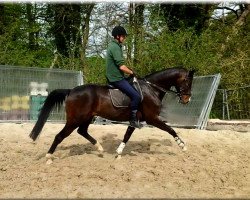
(184, 99)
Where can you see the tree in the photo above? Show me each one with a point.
(1, 19)
(138, 20)
(31, 24)
(240, 22)
(88, 8)
(179, 16)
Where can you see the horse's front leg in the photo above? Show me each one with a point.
(161, 125)
(127, 136)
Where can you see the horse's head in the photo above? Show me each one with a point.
(184, 85)
(180, 78)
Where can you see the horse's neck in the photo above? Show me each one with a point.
(165, 80)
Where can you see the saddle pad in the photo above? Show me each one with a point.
(119, 99)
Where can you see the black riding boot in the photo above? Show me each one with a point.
(134, 121)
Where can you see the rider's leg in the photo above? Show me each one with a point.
(135, 97)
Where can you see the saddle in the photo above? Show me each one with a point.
(120, 99)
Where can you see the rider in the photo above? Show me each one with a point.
(115, 69)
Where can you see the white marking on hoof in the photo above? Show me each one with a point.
(118, 157)
(119, 150)
(178, 140)
(99, 147)
(180, 143)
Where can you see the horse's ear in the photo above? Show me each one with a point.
(191, 73)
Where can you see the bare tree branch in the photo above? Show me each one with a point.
(227, 8)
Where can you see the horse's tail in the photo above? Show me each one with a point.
(55, 98)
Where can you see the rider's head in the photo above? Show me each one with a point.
(119, 33)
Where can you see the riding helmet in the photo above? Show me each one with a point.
(119, 30)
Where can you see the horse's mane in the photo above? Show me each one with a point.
(168, 70)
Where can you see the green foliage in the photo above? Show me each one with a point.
(95, 70)
(200, 52)
(218, 48)
(18, 54)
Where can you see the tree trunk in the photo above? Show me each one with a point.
(240, 22)
(75, 29)
(130, 41)
(85, 31)
(31, 23)
(242, 19)
(138, 31)
(61, 26)
(1, 19)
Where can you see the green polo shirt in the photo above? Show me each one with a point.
(114, 59)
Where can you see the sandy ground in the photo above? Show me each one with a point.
(216, 164)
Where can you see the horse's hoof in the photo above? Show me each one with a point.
(118, 157)
(49, 162)
(100, 150)
(184, 148)
(50, 158)
(99, 147)
(119, 151)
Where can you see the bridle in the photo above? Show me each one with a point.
(177, 93)
(161, 88)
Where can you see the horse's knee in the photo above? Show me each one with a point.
(58, 138)
(82, 132)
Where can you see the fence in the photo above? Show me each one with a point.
(232, 104)
(195, 114)
(192, 115)
(24, 89)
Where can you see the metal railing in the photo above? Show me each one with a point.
(24, 89)
(232, 103)
(195, 114)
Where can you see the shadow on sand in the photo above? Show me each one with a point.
(110, 143)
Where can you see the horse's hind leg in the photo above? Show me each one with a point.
(83, 131)
(65, 132)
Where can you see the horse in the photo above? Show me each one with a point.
(84, 102)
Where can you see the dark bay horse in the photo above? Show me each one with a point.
(84, 102)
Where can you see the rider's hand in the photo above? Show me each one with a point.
(133, 74)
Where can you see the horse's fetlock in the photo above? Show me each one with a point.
(49, 156)
(99, 147)
(119, 150)
(178, 140)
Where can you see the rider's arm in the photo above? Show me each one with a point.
(125, 69)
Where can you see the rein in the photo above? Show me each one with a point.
(160, 88)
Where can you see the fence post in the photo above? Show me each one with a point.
(226, 99)
(225, 105)
(80, 78)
